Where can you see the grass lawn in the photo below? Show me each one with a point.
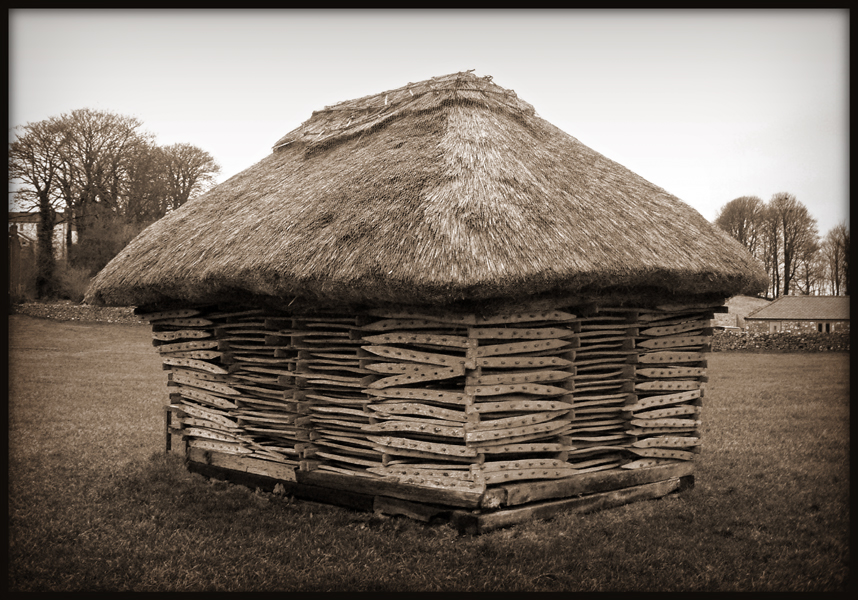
(95, 504)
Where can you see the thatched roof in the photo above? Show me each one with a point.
(438, 193)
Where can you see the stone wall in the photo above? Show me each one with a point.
(746, 341)
(762, 326)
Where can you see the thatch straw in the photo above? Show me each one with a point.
(442, 192)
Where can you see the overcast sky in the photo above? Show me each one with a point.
(709, 105)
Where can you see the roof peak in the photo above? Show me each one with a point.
(349, 117)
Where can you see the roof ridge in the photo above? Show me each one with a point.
(376, 109)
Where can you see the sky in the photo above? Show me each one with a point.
(710, 105)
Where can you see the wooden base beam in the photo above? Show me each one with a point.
(469, 513)
(475, 524)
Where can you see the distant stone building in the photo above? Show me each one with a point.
(821, 314)
(27, 224)
(739, 307)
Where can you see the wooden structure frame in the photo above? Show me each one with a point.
(484, 421)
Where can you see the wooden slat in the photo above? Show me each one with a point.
(244, 464)
(205, 444)
(670, 385)
(195, 364)
(662, 453)
(522, 362)
(429, 429)
(523, 317)
(417, 375)
(674, 329)
(671, 357)
(672, 372)
(252, 359)
(667, 412)
(638, 431)
(518, 388)
(426, 410)
(666, 441)
(191, 322)
(675, 342)
(342, 410)
(520, 405)
(255, 325)
(519, 347)
(543, 473)
(431, 358)
(394, 367)
(515, 432)
(357, 400)
(430, 447)
(167, 336)
(364, 462)
(520, 377)
(509, 422)
(201, 396)
(203, 413)
(524, 448)
(251, 312)
(283, 418)
(580, 440)
(601, 376)
(400, 337)
(647, 463)
(415, 471)
(334, 380)
(211, 434)
(358, 442)
(195, 354)
(652, 401)
(168, 314)
(664, 423)
(443, 483)
(440, 396)
(519, 333)
(346, 449)
(211, 386)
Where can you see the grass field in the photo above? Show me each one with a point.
(95, 505)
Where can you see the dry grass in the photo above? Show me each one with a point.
(94, 505)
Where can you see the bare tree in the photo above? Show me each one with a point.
(189, 171)
(742, 219)
(835, 252)
(769, 250)
(112, 177)
(33, 165)
(797, 228)
(810, 270)
(98, 150)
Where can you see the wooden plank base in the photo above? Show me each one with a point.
(475, 524)
(469, 514)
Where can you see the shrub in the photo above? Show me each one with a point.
(71, 281)
(103, 241)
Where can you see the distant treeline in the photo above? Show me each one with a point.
(110, 179)
(783, 235)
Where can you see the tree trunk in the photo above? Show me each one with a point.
(45, 285)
